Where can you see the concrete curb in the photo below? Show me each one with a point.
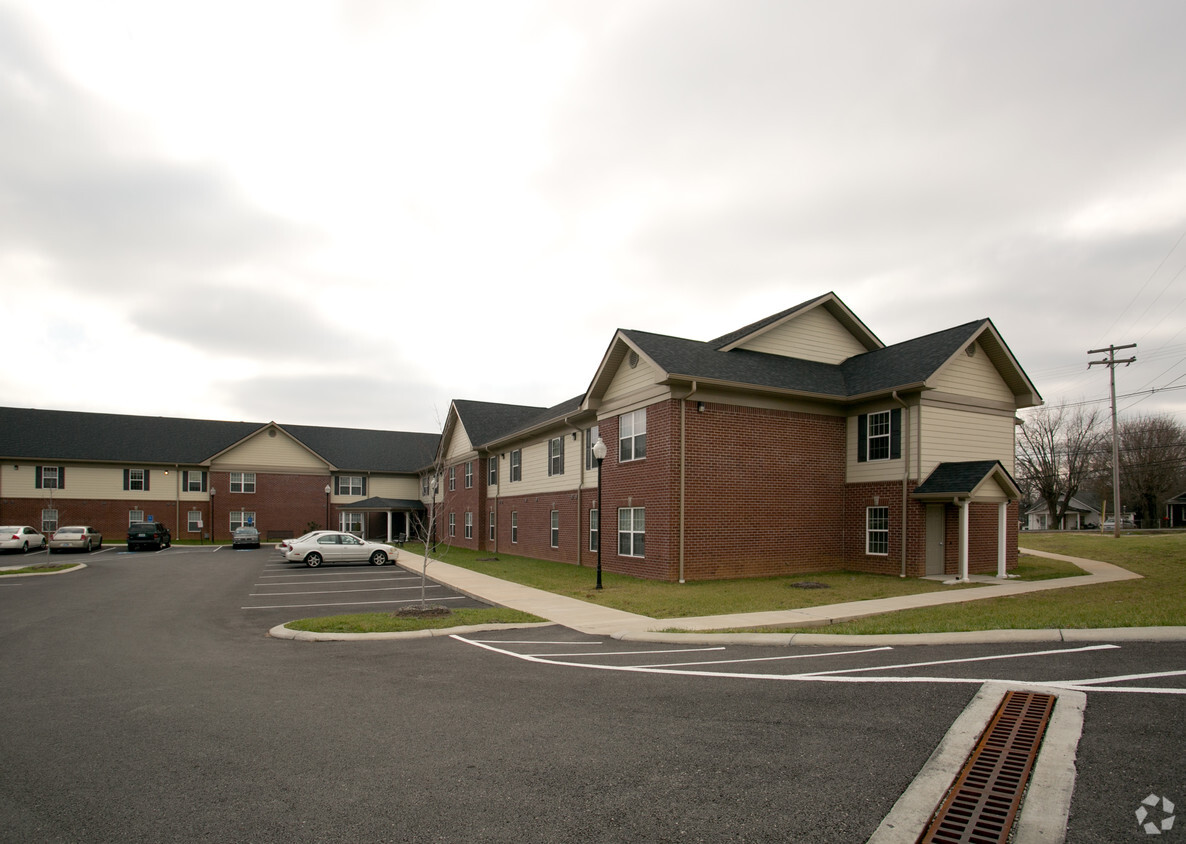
(74, 568)
(282, 632)
(970, 637)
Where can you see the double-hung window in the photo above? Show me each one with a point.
(193, 521)
(632, 436)
(350, 485)
(469, 474)
(193, 481)
(243, 482)
(879, 435)
(49, 520)
(594, 529)
(514, 526)
(493, 527)
(469, 525)
(590, 441)
(492, 470)
(49, 477)
(136, 479)
(452, 525)
(242, 518)
(452, 478)
(555, 528)
(877, 530)
(555, 456)
(632, 530)
(516, 465)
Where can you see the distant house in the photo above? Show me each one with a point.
(1083, 511)
(797, 443)
(1175, 511)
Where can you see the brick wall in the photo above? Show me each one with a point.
(280, 502)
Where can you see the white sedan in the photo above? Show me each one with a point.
(20, 538)
(331, 546)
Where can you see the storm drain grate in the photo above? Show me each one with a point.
(984, 800)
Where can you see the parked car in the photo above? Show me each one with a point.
(331, 546)
(148, 535)
(245, 537)
(20, 538)
(75, 538)
(1127, 522)
(285, 544)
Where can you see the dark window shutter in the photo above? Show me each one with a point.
(896, 433)
(127, 483)
(61, 477)
(364, 485)
(203, 481)
(336, 487)
(146, 474)
(561, 472)
(37, 477)
(184, 480)
(862, 438)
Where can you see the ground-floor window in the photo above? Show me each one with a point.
(452, 525)
(514, 526)
(469, 525)
(135, 516)
(492, 527)
(594, 529)
(49, 521)
(632, 524)
(193, 521)
(242, 518)
(555, 528)
(350, 523)
(877, 530)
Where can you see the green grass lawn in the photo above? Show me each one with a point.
(41, 569)
(385, 622)
(1159, 599)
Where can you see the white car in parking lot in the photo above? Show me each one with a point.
(20, 538)
(331, 546)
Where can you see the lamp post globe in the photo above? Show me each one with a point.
(599, 451)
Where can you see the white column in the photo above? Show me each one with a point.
(1002, 522)
(963, 570)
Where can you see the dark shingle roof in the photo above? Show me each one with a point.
(881, 370)
(68, 435)
(959, 478)
(486, 422)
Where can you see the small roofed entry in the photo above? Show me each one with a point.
(959, 485)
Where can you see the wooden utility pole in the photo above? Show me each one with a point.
(1110, 362)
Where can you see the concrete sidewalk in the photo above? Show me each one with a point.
(605, 621)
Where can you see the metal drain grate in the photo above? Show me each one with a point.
(984, 800)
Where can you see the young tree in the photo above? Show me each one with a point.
(1055, 454)
(425, 524)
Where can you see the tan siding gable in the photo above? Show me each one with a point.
(459, 444)
(814, 335)
(950, 435)
(632, 386)
(394, 486)
(264, 452)
(972, 376)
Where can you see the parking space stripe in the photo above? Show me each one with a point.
(348, 604)
(770, 658)
(338, 591)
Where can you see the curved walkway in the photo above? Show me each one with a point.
(607, 621)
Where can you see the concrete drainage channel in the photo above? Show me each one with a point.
(986, 796)
(980, 780)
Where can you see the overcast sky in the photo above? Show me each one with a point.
(350, 213)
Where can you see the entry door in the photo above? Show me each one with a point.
(936, 535)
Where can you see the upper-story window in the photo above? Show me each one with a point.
(632, 436)
(492, 470)
(350, 485)
(452, 478)
(242, 481)
(193, 481)
(136, 479)
(879, 435)
(49, 477)
(556, 456)
(516, 465)
(469, 474)
(590, 441)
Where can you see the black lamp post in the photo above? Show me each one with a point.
(599, 455)
(211, 515)
(328, 490)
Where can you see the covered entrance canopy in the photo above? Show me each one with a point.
(403, 508)
(963, 483)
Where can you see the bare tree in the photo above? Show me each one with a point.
(1152, 462)
(426, 523)
(1056, 453)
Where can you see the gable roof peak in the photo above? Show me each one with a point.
(828, 301)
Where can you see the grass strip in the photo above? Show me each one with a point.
(380, 622)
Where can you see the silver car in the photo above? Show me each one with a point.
(75, 538)
(20, 538)
(331, 546)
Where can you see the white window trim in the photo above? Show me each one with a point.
(880, 532)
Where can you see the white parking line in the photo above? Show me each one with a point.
(346, 604)
(336, 591)
(772, 658)
(971, 659)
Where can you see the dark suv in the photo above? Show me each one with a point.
(148, 535)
